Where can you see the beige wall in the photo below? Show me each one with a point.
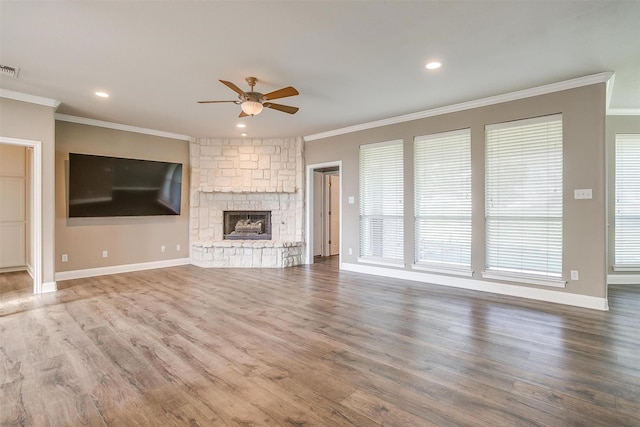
(616, 124)
(128, 240)
(34, 122)
(584, 235)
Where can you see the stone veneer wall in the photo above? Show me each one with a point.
(247, 174)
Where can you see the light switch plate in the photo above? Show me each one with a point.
(584, 193)
(352, 200)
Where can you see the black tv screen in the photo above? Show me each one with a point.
(102, 186)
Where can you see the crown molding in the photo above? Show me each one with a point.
(483, 102)
(623, 112)
(32, 99)
(118, 126)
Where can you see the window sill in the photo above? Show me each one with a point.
(443, 269)
(629, 268)
(529, 279)
(381, 261)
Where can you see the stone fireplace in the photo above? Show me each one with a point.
(247, 175)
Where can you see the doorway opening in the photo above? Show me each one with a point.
(21, 222)
(324, 215)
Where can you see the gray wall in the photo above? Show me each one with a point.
(128, 240)
(584, 235)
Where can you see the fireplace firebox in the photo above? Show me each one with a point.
(247, 225)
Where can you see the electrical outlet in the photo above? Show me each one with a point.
(163, 248)
(65, 257)
(350, 251)
(105, 254)
(177, 247)
(574, 275)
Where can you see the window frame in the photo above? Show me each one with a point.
(503, 168)
(442, 174)
(631, 184)
(381, 188)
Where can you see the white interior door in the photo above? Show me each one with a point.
(332, 222)
(318, 213)
(13, 217)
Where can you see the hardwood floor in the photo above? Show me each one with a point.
(311, 346)
(15, 285)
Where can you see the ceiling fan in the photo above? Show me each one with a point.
(252, 102)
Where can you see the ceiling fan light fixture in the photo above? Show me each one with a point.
(251, 107)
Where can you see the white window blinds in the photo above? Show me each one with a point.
(382, 202)
(627, 205)
(443, 200)
(523, 198)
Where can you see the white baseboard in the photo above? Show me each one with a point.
(14, 269)
(115, 269)
(49, 287)
(548, 295)
(623, 279)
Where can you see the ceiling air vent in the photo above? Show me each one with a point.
(9, 71)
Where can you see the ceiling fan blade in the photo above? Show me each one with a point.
(280, 107)
(281, 93)
(243, 114)
(213, 102)
(233, 87)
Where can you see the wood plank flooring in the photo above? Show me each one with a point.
(311, 346)
(15, 285)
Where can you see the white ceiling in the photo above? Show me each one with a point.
(352, 61)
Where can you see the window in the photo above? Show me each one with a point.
(382, 202)
(523, 201)
(627, 206)
(443, 201)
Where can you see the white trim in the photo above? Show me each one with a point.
(49, 287)
(483, 102)
(117, 126)
(32, 99)
(525, 278)
(36, 207)
(125, 268)
(547, 295)
(308, 250)
(609, 92)
(443, 270)
(618, 111)
(627, 268)
(623, 112)
(14, 269)
(381, 261)
(623, 279)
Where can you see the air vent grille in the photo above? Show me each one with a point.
(9, 71)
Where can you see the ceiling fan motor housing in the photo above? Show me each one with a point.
(253, 96)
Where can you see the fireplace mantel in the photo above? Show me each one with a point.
(252, 190)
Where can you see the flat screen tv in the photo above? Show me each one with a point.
(102, 186)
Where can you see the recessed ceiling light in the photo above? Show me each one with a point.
(241, 125)
(434, 65)
(243, 134)
(102, 94)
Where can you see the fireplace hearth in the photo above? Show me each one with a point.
(247, 225)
